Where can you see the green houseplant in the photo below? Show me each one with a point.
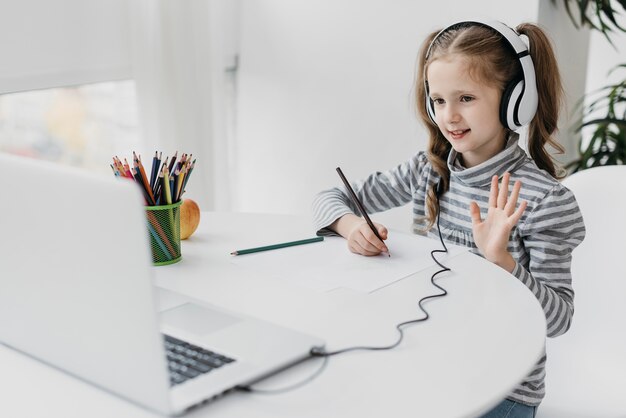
(607, 143)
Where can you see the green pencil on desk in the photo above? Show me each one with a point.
(277, 246)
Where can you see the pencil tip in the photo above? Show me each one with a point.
(234, 253)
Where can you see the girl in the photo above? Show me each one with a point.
(478, 82)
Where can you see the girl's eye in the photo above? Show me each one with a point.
(438, 101)
(466, 98)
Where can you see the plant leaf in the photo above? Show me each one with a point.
(618, 122)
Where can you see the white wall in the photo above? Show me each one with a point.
(572, 52)
(602, 59)
(329, 83)
(50, 43)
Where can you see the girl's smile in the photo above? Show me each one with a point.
(458, 134)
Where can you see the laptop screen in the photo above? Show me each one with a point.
(76, 278)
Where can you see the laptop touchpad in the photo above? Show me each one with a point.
(197, 319)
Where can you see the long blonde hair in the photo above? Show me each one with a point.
(492, 60)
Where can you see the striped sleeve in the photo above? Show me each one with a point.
(550, 233)
(378, 192)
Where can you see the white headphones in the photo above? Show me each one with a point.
(519, 99)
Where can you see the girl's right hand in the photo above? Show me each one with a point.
(361, 238)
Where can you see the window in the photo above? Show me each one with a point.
(81, 126)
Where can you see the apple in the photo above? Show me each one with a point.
(189, 218)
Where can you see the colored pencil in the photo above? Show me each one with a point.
(153, 170)
(181, 178)
(127, 168)
(159, 242)
(167, 180)
(158, 193)
(137, 177)
(172, 162)
(277, 246)
(191, 166)
(144, 180)
(157, 226)
(166, 186)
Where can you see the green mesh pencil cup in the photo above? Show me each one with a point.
(164, 228)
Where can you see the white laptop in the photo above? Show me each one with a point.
(76, 293)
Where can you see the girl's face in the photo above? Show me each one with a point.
(466, 111)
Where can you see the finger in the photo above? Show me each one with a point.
(475, 213)
(353, 247)
(369, 241)
(493, 194)
(370, 236)
(356, 248)
(517, 215)
(503, 193)
(384, 234)
(382, 231)
(512, 201)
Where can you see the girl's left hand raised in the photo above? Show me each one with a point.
(492, 234)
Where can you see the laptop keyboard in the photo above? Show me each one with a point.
(187, 361)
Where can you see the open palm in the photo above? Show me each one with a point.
(491, 235)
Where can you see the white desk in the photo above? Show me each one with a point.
(481, 339)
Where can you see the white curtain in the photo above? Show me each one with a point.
(179, 58)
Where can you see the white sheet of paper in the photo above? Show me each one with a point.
(329, 264)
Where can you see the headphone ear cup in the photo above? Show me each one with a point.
(509, 104)
(526, 109)
(430, 108)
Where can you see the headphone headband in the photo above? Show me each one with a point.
(519, 99)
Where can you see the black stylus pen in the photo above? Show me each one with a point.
(359, 205)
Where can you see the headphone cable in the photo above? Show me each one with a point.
(319, 352)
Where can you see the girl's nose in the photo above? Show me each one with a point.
(452, 115)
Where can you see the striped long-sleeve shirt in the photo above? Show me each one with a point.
(541, 242)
